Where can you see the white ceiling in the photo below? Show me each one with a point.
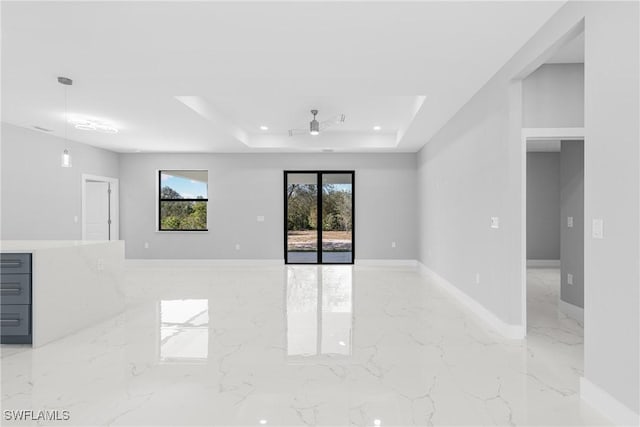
(203, 76)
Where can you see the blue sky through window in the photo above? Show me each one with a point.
(187, 188)
(342, 187)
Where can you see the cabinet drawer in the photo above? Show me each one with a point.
(15, 320)
(15, 289)
(15, 263)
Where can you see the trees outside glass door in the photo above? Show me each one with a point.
(319, 217)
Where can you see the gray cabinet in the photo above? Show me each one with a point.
(15, 298)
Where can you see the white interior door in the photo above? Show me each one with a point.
(97, 210)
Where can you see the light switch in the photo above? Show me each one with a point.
(597, 228)
(75, 219)
(393, 244)
(260, 218)
(570, 221)
(495, 222)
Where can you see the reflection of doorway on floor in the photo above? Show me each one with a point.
(553, 338)
(543, 294)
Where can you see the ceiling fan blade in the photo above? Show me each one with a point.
(338, 119)
(293, 132)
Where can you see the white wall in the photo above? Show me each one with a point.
(39, 197)
(243, 186)
(472, 170)
(553, 96)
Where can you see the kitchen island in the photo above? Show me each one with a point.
(52, 288)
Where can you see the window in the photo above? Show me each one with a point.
(183, 200)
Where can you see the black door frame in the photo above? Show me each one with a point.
(319, 174)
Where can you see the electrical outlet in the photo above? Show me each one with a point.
(570, 279)
(237, 246)
(597, 228)
(393, 244)
(146, 245)
(100, 264)
(495, 222)
(570, 221)
(477, 278)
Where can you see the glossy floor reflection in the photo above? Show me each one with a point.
(302, 345)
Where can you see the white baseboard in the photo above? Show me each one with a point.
(500, 326)
(572, 311)
(172, 263)
(135, 263)
(387, 262)
(607, 405)
(543, 263)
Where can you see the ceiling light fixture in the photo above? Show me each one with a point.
(66, 159)
(377, 128)
(314, 125)
(263, 127)
(94, 125)
(66, 156)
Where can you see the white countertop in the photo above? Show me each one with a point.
(34, 245)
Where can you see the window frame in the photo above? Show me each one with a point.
(159, 228)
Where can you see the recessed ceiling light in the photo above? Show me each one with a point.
(263, 127)
(263, 422)
(376, 128)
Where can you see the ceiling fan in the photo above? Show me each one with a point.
(315, 127)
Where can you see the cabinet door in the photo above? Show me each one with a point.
(15, 263)
(15, 289)
(14, 320)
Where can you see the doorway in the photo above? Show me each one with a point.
(319, 217)
(100, 209)
(555, 232)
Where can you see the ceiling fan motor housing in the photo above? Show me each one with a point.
(314, 125)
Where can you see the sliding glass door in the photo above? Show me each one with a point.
(319, 217)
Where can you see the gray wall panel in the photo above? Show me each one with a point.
(39, 197)
(244, 186)
(572, 205)
(543, 206)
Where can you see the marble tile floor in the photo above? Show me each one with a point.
(302, 346)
